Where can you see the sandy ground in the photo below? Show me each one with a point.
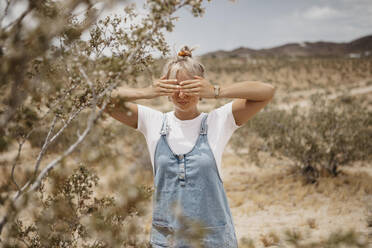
(257, 212)
(316, 215)
(269, 199)
(301, 98)
(259, 209)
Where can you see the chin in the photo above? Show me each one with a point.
(184, 107)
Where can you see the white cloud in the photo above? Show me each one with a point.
(321, 13)
(325, 20)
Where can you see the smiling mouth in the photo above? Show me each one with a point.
(183, 102)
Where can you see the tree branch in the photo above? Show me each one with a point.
(5, 11)
(45, 146)
(91, 121)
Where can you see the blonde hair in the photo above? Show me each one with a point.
(184, 62)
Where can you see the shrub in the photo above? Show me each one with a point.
(66, 213)
(319, 139)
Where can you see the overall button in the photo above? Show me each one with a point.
(181, 176)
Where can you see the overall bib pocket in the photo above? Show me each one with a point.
(218, 236)
(161, 230)
(161, 235)
(161, 207)
(165, 201)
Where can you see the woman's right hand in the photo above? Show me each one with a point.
(127, 112)
(165, 87)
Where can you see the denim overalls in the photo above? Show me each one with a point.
(192, 181)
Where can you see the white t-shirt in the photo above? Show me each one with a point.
(184, 133)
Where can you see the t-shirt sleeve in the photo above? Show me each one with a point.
(147, 118)
(221, 126)
(230, 116)
(225, 117)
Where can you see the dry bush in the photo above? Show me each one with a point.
(246, 243)
(66, 213)
(320, 139)
(339, 238)
(312, 223)
(52, 79)
(369, 217)
(270, 239)
(292, 73)
(296, 239)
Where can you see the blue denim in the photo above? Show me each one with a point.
(193, 182)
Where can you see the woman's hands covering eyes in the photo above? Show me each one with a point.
(166, 87)
(197, 87)
(193, 87)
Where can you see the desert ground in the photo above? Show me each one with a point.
(268, 198)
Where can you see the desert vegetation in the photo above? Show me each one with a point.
(71, 176)
(51, 82)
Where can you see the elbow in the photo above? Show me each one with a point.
(271, 92)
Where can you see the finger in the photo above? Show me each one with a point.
(164, 77)
(189, 81)
(198, 77)
(168, 89)
(165, 82)
(169, 86)
(197, 89)
(189, 86)
(166, 94)
(169, 81)
(164, 90)
(191, 93)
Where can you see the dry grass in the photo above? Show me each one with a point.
(265, 187)
(265, 195)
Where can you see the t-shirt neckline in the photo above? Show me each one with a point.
(185, 122)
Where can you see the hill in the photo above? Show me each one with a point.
(360, 47)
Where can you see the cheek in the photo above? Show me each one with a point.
(195, 98)
(174, 96)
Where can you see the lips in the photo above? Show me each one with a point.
(183, 102)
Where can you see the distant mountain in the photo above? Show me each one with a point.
(357, 48)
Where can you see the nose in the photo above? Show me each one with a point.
(181, 95)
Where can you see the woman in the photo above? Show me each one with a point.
(186, 147)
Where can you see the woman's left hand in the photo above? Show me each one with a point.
(197, 87)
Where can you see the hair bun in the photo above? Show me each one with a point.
(185, 52)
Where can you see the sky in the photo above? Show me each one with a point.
(227, 24)
(259, 24)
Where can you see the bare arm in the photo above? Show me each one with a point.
(125, 111)
(252, 95)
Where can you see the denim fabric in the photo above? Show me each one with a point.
(192, 182)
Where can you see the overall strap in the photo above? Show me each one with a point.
(204, 126)
(164, 127)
